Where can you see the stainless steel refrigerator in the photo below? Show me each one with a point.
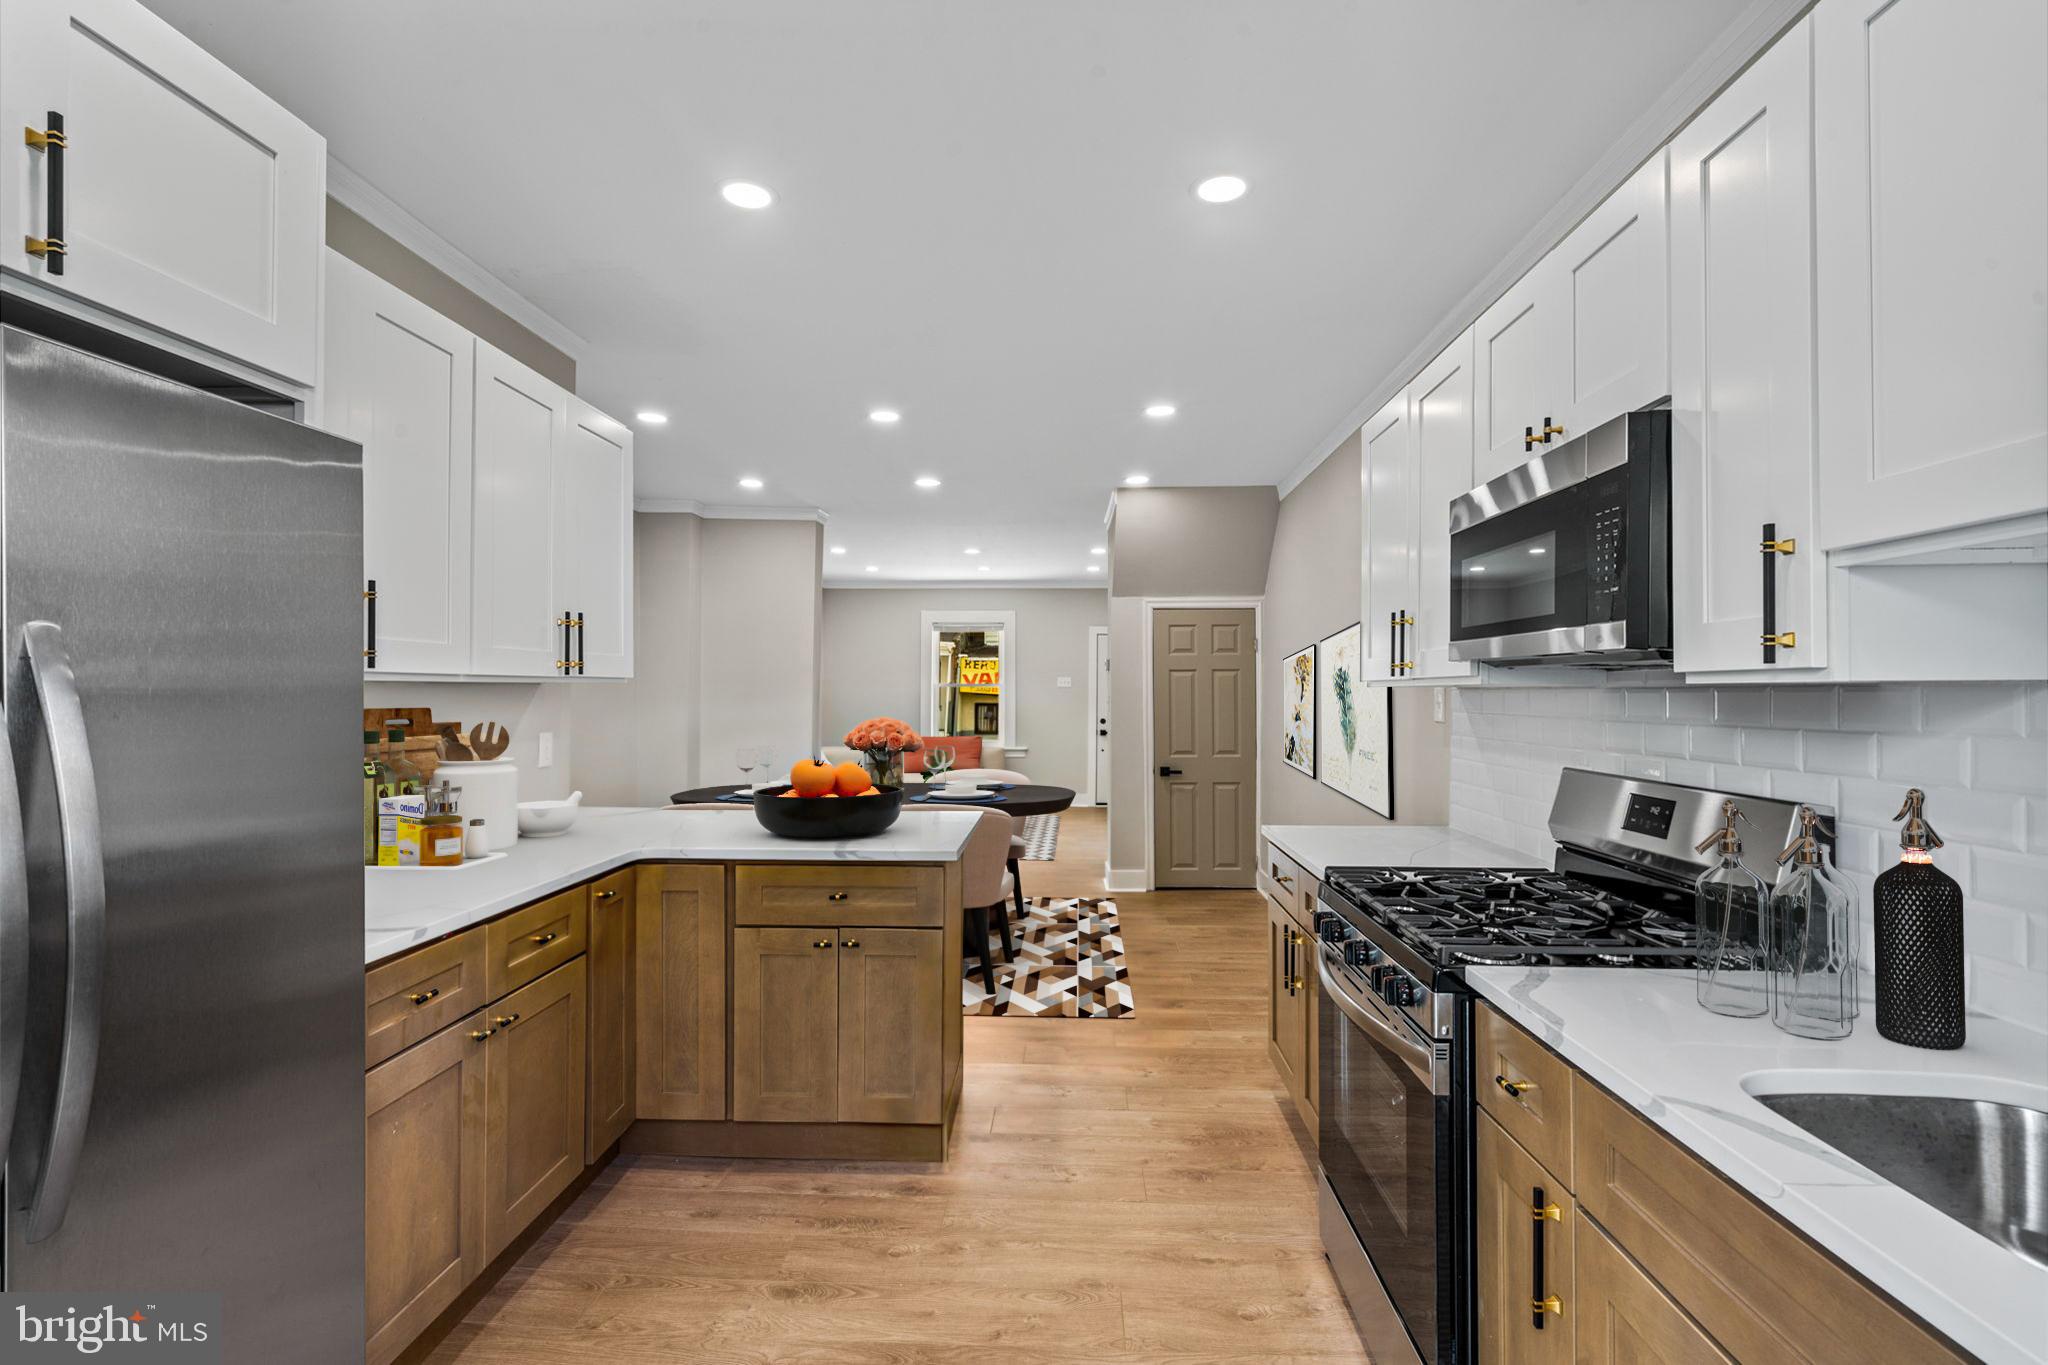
(181, 903)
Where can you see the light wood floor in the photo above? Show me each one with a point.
(1124, 1190)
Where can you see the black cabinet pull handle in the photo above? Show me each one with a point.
(51, 143)
(1287, 960)
(836, 897)
(1773, 639)
(1528, 439)
(422, 997)
(542, 939)
(579, 643)
(1540, 1303)
(369, 623)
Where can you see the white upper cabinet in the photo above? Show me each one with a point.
(1518, 363)
(1932, 121)
(594, 541)
(1581, 338)
(1742, 337)
(1387, 476)
(398, 378)
(190, 201)
(522, 422)
(1440, 435)
(1612, 275)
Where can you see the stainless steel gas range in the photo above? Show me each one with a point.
(1395, 1139)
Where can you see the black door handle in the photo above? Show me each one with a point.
(1165, 771)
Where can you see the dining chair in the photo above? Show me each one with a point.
(986, 886)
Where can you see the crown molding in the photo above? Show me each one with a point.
(1740, 44)
(384, 213)
(730, 512)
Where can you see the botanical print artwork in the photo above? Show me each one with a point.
(1298, 700)
(1356, 754)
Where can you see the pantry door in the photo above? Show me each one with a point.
(1204, 746)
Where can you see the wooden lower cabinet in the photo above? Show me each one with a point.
(610, 967)
(424, 1158)
(1513, 1191)
(891, 991)
(680, 917)
(1621, 1317)
(1287, 1017)
(785, 1025)
(534, 1101)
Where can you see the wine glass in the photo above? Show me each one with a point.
(748, 757)
(937, 763)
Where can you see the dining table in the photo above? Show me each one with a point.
(1011, 798)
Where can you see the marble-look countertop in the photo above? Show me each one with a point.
(403, 907)
(1694, 1074)
(1317, 847)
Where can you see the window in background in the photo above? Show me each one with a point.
(969, 675)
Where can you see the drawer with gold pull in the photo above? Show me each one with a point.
(529, 943)
(408, 998)
(1526, 1087)
(910, 897)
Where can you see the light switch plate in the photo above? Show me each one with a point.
(1436, 702)
(546, 758)
(1063, 681)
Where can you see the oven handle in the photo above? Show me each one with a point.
(1413, 1054)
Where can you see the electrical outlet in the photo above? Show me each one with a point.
(1436, 704)
(547, 750)
(1063, 681)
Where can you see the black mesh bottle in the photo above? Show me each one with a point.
(1918, 910)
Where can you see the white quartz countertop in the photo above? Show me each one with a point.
(403, 907)
(1317, 847)
(1695, 1074)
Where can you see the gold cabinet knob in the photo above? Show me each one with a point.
(1540, 1212)
(849, 943)
(1296, 983)
(836, 896)
(821, 943)
(1785, 640)
(1549, 1303)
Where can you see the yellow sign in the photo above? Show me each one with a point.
(980, 674)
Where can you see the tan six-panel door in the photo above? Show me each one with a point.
(1205, 746)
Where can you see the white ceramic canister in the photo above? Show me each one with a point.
(489, 790)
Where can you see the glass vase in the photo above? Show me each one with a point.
(885, 767)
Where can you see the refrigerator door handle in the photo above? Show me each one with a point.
(13, 942)
(48, 666)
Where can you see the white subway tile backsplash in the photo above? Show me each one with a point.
(1980, 751)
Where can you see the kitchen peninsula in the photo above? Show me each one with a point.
(677, 982)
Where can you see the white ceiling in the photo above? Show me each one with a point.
(983, 218)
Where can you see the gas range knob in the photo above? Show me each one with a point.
(1355, 953)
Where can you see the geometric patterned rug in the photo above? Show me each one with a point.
(1041, 837)
(1070, 964)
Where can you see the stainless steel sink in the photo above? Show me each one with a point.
(1981, 1163)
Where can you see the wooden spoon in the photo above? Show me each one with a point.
(489, 740)
(453, 747)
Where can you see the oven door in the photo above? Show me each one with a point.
(1518, 580)
(1385, 1139)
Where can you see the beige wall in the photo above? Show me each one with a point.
(384, 256)
(1168, 542)
(874, 661)
(1313, 590)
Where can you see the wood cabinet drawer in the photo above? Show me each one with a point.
(1289, 884)
(836, 894)
(529, 943)
(409, 998)
(1622, 1317)
(1758, 1287)
(1526, 1087)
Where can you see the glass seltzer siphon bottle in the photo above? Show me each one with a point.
(1733, 976)
(1813, 990)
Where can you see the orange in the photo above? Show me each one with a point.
(812, 777)
(851, 779)
(791, 794)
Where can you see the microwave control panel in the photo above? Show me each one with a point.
(1607, 552)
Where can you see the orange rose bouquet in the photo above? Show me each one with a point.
(883, 742)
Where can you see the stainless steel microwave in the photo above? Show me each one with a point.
(1567, 559)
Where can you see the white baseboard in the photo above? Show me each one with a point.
(1123, 878)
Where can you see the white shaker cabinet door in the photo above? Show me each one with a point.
(521, 429)
(1387, 473)
(1742, 325)
(191, 201)
(594, 542)
(397, 377)
(1932, 121)
(1518, 362)
(1440, 419)
(1613, 272)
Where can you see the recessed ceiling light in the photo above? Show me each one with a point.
(887, 417)
(1478, 568)
(1094, 568)
(1137, 480)
(750, 482)
(1099, 550)
(1158, 410)
(652, 419)
(1221, 189)
(1538, 550)
(926, 481)
(838, 549)
(972, 550)
(874, 568)
(983, 568)
(744, 194)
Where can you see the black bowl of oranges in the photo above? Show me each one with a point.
(827, 801)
